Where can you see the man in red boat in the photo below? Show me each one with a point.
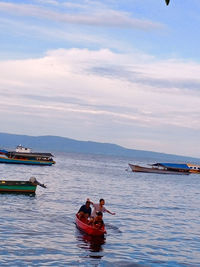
(98, 220)
(85, 211)
(99, 207)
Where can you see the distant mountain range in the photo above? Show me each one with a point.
(63, 144)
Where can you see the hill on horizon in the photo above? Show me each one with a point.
(64, 144)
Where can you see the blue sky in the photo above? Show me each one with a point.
(124, 72)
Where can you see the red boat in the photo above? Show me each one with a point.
(90, 229)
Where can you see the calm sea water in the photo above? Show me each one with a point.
(156, 223)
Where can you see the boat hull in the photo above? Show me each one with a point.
(137, 168)
(23, 187)
(88, 229)
(27, 162)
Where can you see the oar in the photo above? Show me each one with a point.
(167, 2)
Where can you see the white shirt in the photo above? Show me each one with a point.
(96, 208)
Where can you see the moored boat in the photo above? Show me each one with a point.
(162, 168)
(23, 155)
(90, 229)
(24, 187)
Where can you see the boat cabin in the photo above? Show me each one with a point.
(22, 149)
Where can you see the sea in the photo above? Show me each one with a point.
(157, 220)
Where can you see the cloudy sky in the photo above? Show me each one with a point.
(124, 72)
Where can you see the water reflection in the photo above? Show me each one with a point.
(91, 243)
(19, 194)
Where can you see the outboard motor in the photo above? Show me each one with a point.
(34, 181)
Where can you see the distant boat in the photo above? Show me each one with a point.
(162, 168)
(23, 155)
(23, 187)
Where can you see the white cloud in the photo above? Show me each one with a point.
(60, 34)
(61, 88)
(110, 18)
(48, 2)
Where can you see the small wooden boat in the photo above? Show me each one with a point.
(23, 187)
(23, 155)
(162, 168)
(89, 229)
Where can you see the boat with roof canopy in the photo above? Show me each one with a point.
(24, 155)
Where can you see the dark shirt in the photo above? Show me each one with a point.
(85, 209)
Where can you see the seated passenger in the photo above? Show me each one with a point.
(98, 221)
(85, 211)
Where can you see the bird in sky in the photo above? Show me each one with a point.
(167, 2)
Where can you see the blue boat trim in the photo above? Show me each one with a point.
(30, 162)
(172, 165)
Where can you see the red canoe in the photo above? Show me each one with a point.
(89, 229)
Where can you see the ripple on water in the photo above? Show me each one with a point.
(156, 221)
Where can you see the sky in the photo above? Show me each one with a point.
(123, 72)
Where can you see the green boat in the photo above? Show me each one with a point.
(23, 187)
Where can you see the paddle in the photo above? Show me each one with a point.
(167, 2)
